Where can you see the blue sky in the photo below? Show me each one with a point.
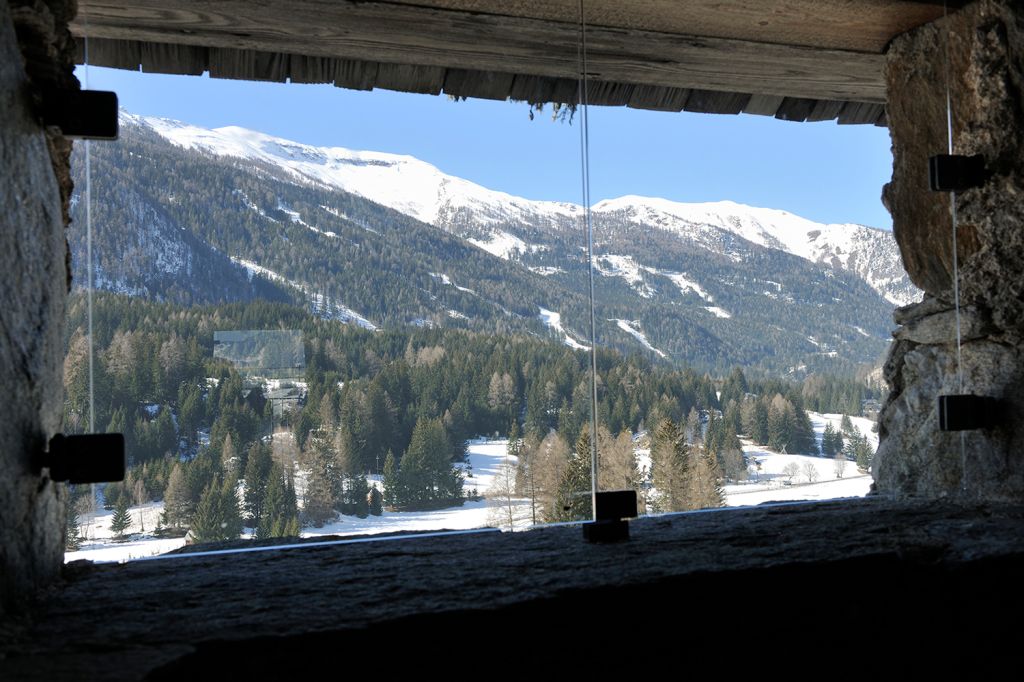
(822, 171)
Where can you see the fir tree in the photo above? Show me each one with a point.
(280, 511)
(393, 494)
(670, 467)
(72, 533)
(257, 471)
(758, 427)
(121, 519)
(802, 438)
(177, 498)
(374, 502)
(229, 458)
(231, 512)
(831, 441)
(323, 485)
(353, 482)
(705, 482)
(207, 523)
(217, 516)
(574, 491)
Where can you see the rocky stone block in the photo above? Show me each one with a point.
(915, 458)
(32, 258)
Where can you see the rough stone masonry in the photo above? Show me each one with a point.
(35, 187)
(986, 77)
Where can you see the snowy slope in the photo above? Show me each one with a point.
(424, 192)
(869, 253)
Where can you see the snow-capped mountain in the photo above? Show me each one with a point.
(404, 183)
(189, 215)
(424, 192)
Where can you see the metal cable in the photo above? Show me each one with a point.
(581, 51)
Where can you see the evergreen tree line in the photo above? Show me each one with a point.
(398, 403)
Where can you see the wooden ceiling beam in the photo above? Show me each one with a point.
(401, 34)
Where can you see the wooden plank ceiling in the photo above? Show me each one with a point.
(804, 60)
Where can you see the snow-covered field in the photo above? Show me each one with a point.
(98, 543)
(768, 482)
(485, 458)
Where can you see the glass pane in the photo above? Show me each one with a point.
(321, 312)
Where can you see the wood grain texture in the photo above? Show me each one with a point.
(364, 75)
(858, 25)
(390, 33)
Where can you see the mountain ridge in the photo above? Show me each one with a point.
(421, 190)
(176, 221)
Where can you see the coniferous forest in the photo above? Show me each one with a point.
(205, 440)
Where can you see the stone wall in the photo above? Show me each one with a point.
(34, 51)
(986, 67)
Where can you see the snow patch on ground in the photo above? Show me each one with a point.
(718, 312)
(99, 545)
(611, 265)
(447, 281)
(332, 310)
(683, 283)
(338, 214)
(485, 459)
(768, 483)
(554, 320)
(502, 245)
(545, 270)
(632, 327)
(297, 218)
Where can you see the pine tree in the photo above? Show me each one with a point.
(427, 475)
(323, 485)
(121, 519)
(72, 533)
(208, 523)
(257, 471)
(393, 493)
(801, 430)
(374, 502)
(831, 442)
(759, 426)
(846, 425)
(178, 506)
(574, 492)
(353, 482)
(280, 511)
(705, 482)
(231, 513)
(670, 468)
(229, 458)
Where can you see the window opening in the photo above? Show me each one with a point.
(237, 356)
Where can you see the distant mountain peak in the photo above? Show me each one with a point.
(424, 192)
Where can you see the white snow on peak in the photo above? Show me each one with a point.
(632, 328)
(764, 226)
(855, 248)
(422, 191)
(404, 183)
